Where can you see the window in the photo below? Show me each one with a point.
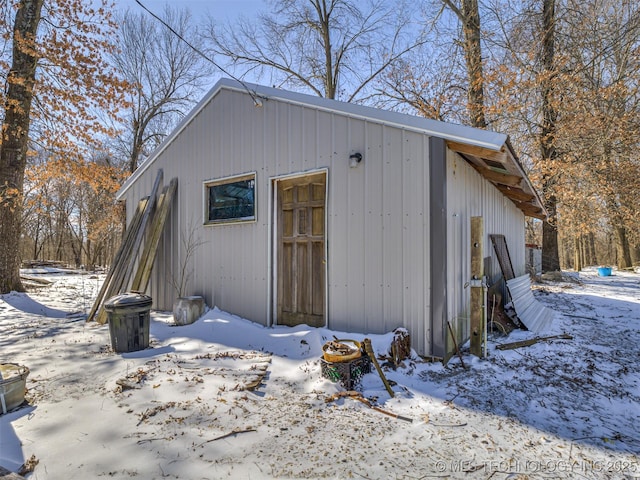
(230, 199)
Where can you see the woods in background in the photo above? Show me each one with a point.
(561, 77)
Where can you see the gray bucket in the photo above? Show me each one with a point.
(13, 385)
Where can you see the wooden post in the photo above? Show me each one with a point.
(477, 289)
(369, 349)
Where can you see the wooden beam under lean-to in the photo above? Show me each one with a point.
(500, 178)
(516, 194)
(479, 152)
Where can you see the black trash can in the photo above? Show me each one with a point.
(128, 315)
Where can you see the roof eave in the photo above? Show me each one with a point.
(503, 169)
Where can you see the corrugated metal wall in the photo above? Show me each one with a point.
(377, 213)
(378, 232)
(378, 238)
(468, 195)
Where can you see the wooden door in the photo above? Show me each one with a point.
(301, 249)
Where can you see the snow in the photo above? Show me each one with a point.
(183, 408)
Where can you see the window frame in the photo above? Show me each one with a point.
(208, 184)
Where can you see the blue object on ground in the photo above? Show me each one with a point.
(604, 271)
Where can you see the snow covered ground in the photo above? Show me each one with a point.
(184, 407)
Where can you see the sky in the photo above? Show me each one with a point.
(217, 8)
(220, 10)
(188, 407)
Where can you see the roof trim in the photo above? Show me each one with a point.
(467, 141)
(448, 131)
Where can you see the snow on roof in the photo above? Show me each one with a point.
(448, 131)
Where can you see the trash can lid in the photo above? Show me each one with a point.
(129, 299)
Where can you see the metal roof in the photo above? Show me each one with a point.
(489, 152)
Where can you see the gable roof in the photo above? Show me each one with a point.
(490, 153)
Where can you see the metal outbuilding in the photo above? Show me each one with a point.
(309, 210)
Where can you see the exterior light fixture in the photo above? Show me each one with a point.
(355, 159)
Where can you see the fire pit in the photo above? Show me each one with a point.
(13, 381)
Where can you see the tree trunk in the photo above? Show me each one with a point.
(138, 143)
(13, 150)
(635, 255)
(550, 257)
(577, 264)
(622, 249)
(36, 239)
(473, 59)
(611, 252)
(469, 16)
(593, 256)
(623, 252)
(331, 77)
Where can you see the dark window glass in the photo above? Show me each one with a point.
(233, 200)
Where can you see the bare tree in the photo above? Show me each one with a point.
(469, 16)
(429, 82)
(445, 79)
(166, 74)
(334, 48)
(524, 73)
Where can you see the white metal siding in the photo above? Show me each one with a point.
(230, 265)
(469, 195)
(378, 231)
(378, 238)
